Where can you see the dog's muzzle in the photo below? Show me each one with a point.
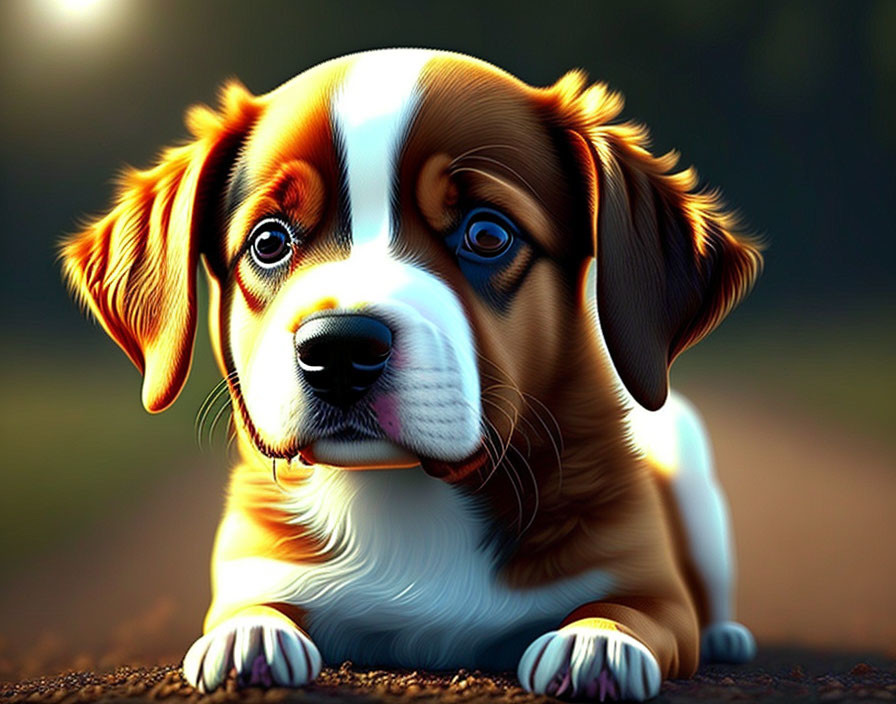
(342, 356)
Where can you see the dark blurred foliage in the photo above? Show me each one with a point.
(786, 106)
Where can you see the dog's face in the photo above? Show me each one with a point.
(417, 225)
(394, 240)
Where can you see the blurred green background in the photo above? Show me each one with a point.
(788, 107)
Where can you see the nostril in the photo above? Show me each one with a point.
(311, 356)
(370, 353)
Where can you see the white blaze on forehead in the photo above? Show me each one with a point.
(371, 112)
(430, 399)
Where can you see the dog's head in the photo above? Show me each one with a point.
(392, 233)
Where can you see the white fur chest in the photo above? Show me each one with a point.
(410, 583)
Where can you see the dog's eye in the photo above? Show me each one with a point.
(270, 243)
(487, 235)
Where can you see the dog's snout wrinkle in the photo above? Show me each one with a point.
(342, 356)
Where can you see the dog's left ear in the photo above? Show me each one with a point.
(135, 268)
(670, 262)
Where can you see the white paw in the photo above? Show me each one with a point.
(584, 662)
(264, 651)
(728, 642)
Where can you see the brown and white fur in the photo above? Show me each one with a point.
(514, 491)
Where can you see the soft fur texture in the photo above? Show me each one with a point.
(514, 488)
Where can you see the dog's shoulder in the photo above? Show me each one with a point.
(672, 438)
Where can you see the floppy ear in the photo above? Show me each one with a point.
(670, 262)
(135, 268)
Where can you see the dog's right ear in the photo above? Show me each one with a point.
(671, 261)
(135, 268)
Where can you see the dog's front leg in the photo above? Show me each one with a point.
(613, 650)
(251, 626)
(263, 645)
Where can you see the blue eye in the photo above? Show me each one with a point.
(486, 242)
(270, 243)
(487, 236)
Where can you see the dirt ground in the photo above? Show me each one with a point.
(776, 676)
(812, 513)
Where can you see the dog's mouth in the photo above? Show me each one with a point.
(365, 453)
(358, 453)
(354, 448)
(352, 444)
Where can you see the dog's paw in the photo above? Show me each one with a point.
(727, 642)
(264, 651)
(590, 660)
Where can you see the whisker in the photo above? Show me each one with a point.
(215, 389)
(489, 438)
(504, 464)
(508, 383)
(515, 429)
(535, 492)
(500, 163)
(489, 448)
(490, 435)
(520, 416)
(523, 395)
(550, 415)
(512, 420)
(505, 377)
(206, 406)
(483, 148)
(210, 414)
(224, 407)
(558, 449)
(556, 444)
(504, 444)
(519, 500)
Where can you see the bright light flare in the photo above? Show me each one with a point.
(79, 8)
(655, 435)
(83, 16)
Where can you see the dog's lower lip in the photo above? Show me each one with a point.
(357, 454)
(456, 471)
(450, 471)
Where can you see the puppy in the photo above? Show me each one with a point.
(451, 457)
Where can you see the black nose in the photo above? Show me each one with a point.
(341, 356)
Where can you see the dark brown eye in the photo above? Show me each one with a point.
(487, 237)
(270, 244)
